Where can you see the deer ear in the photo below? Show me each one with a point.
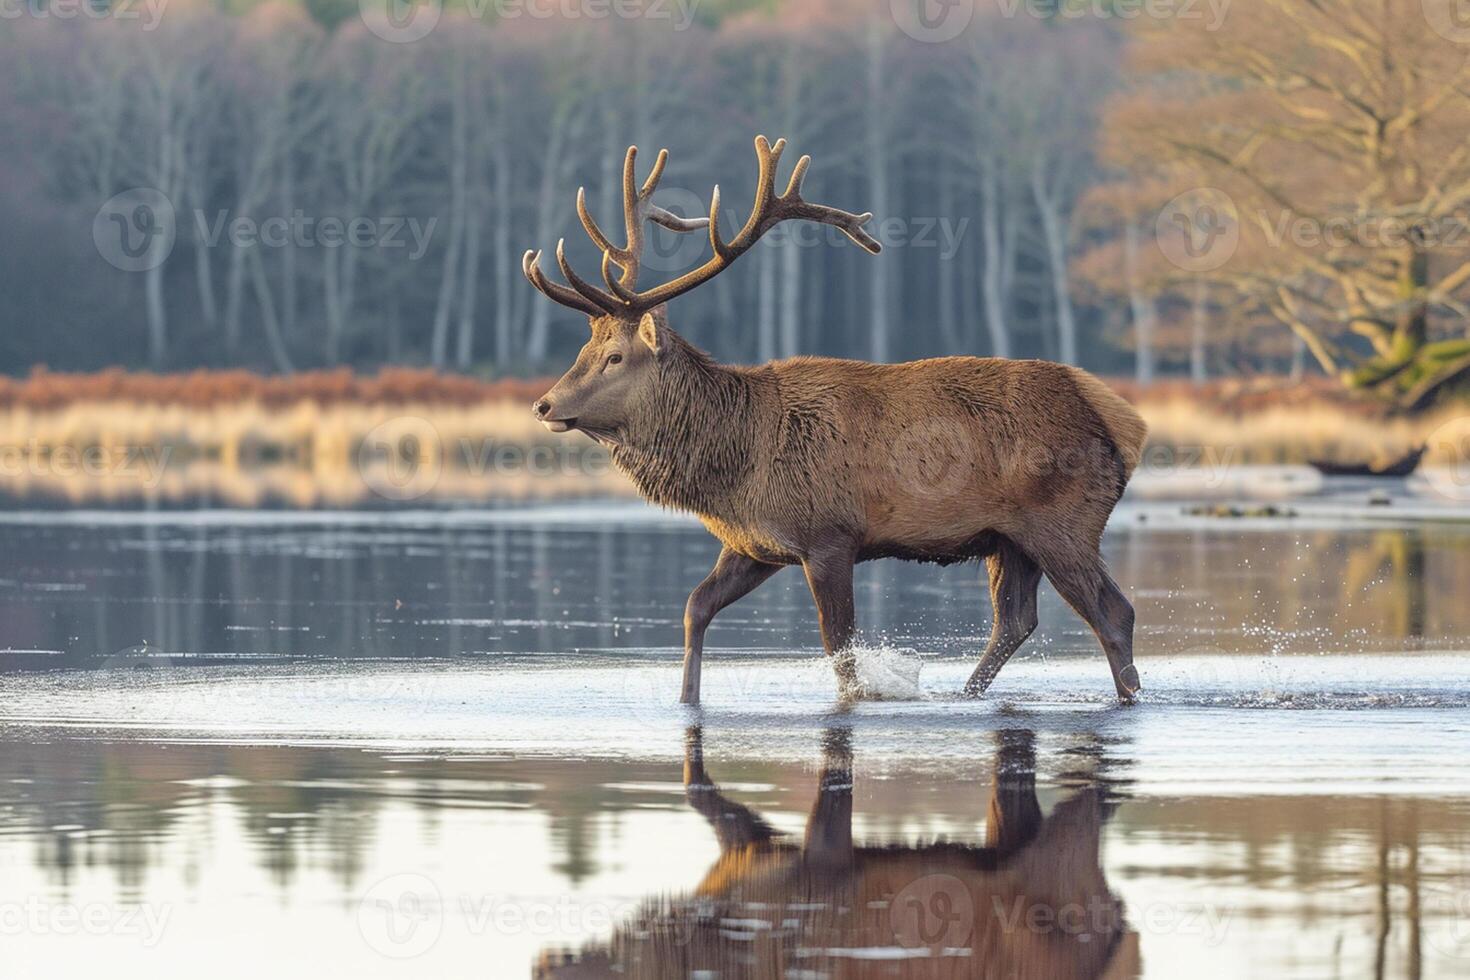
(652, 334)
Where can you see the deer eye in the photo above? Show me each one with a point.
(614, 359)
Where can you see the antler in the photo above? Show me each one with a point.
(622, 297)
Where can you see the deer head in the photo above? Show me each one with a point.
(618, 368)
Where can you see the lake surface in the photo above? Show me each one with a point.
(446, 743)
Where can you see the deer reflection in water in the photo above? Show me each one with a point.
(1031, 902)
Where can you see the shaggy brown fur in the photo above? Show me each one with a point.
(824, 463)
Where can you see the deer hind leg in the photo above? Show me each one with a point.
(1015, 812)
(1088, 588)
(829, 825)
(1014, 578)
(829, 575)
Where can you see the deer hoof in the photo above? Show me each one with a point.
(1128, 684)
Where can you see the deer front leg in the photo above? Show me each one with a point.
(829, 574)
(734, 576)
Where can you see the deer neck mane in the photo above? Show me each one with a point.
(692, 447)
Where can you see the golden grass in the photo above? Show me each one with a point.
(335, 439)
(1242, 422)
(302, 453)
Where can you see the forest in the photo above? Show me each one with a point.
(281, 187)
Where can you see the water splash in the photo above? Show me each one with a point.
(887, 674)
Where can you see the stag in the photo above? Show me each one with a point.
(824, 463)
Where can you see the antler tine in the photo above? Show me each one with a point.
(798, 174)
(767, 157)
(590, 292)
(653, 175)
(589, 224)
(672, 221)
(530, 265)
(613, 282)
(631, 219)
(846, 222)
(721, 250)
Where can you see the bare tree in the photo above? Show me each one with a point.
(1345, 182)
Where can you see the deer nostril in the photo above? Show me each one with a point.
(541, 409)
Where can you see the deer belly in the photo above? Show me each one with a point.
(752, 543)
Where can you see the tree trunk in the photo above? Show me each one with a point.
(465, 345)
(877, 171)
(1142, 307)
(766, 302)
(1054, 231)
(948, 333)
(790, 297)
(1198, 316)
(458, 205)
(993, 270)
(157, 314)
(268, 313)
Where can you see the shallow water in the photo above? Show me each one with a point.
(447, 744)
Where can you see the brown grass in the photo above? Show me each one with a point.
(43, 389)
